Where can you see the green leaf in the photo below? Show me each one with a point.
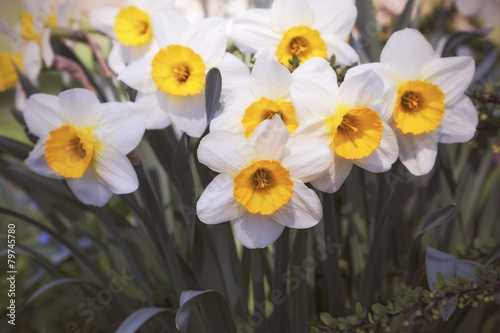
(439, 216)
(213, 88)
(369, 29)
(359, 310)
(28, 87)
(405, 17)
(326, 318)
(15, 148)
(213, 306)
(137, 318)
(379, 309)
(458, 38)
(57, 283)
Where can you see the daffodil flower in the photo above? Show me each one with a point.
(171, 84)
(351, 119)
(265, 95)
(261, 182)
(25, 56)
(38, 17)
(84, 142)
(427, 97)
(130, 28)
(304, 28)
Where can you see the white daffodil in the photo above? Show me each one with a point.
(25, 56)
(84, 142)
(428, 100)
(351, 119)
(171, 84)
(305, 28)
(130, 28)
(261, 182)
(38, 16)
(265, 95)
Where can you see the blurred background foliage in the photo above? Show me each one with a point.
(125, 267)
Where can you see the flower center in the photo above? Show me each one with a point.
(267, 109)
(8, 74)
(32, 25)
(260, 177)
(419, 107)
(69, 151)
(178, 70)
(133, 26)
(303, 42)
(355, 133)
(299, 45)
(263, 187)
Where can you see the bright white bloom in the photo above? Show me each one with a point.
(38, 16)
(25, 56)
(261, 185)
(305, 28)
(130, 28)
(84, 142)
(265, 95)
(171, 83)
(427, 97)
(351, 119)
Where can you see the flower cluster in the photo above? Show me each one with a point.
(282, 125)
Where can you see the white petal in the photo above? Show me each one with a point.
(188, 113)
(303, 210)
(418, 152)
(384, 156)
(459, 122)
(306, 157)
(228, 121)
(42, 114)
(385, 71)
(453, 75)
(336, 17)
(118, 57)
(115, 170)
(208, 39)
(235, 74)
(32, 61)
(122, 125)
(256, 231)
(168, 27)
(217, 203)
(151, 5)
(385, 104)
(269, 139)
(80, 107)
(336, 175)
(408, 51)
(37, 162)
(138, 76)
(252, 31)
(224, 151)
(154, 107)
(46, 49)
(291, 13)
(269, 78)
(314, 90)
(103, 19)
(144, 50)
(345, 55)
(361, 90)
(89, 190)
